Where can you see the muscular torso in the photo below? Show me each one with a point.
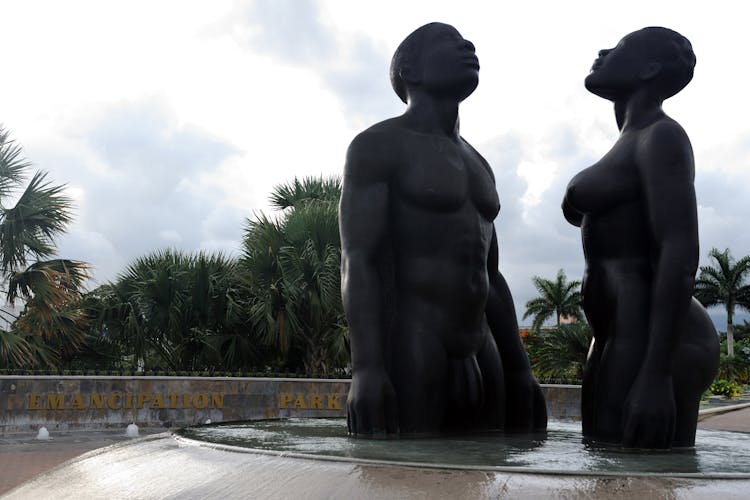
(442, 203)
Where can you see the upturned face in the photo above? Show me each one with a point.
(449, 64)
(619, 71)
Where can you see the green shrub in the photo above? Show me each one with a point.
(735, 368)
(726, 388)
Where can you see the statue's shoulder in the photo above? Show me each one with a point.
(667, 129)
(386, 133)
(665, 142)
(378, 149)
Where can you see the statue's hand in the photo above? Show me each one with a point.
(372, 408)
(525, 408)
(649, 413)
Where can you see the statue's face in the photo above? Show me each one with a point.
(449, 65)
(619, 71)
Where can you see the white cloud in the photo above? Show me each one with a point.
(171, 121)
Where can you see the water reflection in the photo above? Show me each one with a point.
(560, 449)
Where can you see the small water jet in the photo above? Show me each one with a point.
(43, 434)
(132, 431)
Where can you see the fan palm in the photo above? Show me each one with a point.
(180, 307)
(562, 352)
(557, 298)
(48, 287)
(724, 283)
(292, 267)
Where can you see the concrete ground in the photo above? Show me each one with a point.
(738, 420)
(22, 457)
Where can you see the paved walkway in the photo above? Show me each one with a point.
(738, 420)
(22, 457)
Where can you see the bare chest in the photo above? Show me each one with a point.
(611, 182)
(443, 176)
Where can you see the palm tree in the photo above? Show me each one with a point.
(724, 284)
(292, 269)
(49, 288)
(557, 298)
(177, 308)
(562, 352)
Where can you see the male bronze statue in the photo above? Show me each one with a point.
(655, 349)
(434, 340)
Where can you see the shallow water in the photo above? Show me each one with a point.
(560, 450)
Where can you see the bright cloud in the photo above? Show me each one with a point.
(171, 121)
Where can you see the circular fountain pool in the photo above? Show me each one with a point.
(560, 451)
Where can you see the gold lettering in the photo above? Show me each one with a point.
(96, 401)
(158, 401)
(333, 402)
(76, 403)
(316, 401)
(299, 402)
(186, 400)
(217, 401)
(112, 403)
(35, 401)
(128, 401)
(200, 401)
(172, 401)
(142, 400)
(55, 401)
(285, 399)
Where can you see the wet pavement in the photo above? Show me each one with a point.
(22, 458)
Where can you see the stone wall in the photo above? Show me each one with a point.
(75, 402)
(563, 401)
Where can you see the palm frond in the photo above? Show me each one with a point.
(299, 192)
(12, 164)
(53, 282)
(563, 351)
(29, 227)
(15, 350)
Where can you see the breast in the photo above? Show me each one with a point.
(610, 182)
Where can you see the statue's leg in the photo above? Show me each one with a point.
(491, 368)
(694, 368)
(588, 389)
(600, 313)
(620, 362)
(418, 369)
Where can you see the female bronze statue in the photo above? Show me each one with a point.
(655, 349)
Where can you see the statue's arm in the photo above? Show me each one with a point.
(501, 316)
(665, 162)
(525, 408)
(667, 172)
(363, 223)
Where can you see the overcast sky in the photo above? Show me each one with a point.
(171, 121)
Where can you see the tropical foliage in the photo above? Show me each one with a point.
(557, 298)
(277, 306)
(561, 352)
(726, 388)
(724, 284)
(46, 289)
(175, 310)
(292, 268)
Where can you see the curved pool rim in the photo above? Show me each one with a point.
(446, 466)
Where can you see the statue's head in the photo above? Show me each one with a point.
(657, 59)
(437, 59)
